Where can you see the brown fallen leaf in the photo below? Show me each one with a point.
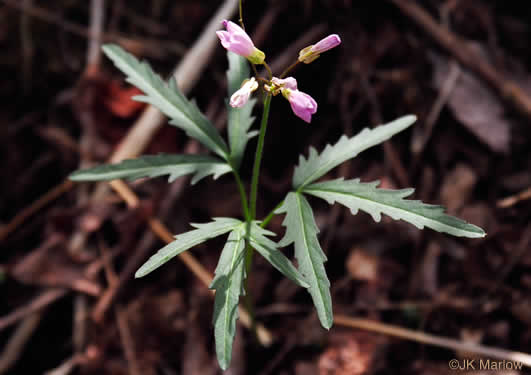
(49, 265)
(457, 187)
(363, 266)
(475, 105)
(119, 100)
(352, 353)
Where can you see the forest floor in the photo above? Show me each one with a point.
(69, 301)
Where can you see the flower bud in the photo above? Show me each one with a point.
(310, 53)
(302, 104)
(241, 96)
(236, 40)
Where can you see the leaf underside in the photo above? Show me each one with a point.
(183, 113)
(317, 165)
(240, 120)
(156, 165)
(302, 230)
(228, 283)
(374, 201)
(188, 240)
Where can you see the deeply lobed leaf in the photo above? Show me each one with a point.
(188, 240)
(302, 230)
(269, 250)
(368, 198)
(183, 113)
(156, 165)
(317, 165)
(228, 283)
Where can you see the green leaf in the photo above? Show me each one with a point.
(239, 119)
(237, 73)
(368, 198)
(269, 250)
(183, 113)
(302, 230)
(187, 240)
(317, 165)
(228, 282)
(156, 165)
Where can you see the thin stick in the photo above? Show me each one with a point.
(194, 266)
(149, 45)
(35, 207)
(514, 199)
(97, 18)
(26, 48)
(18, 341)
(465, 55)
(127, 342)
(141, 133)
(424, 338)
(67, 366)
(420, 140)
(38, 303)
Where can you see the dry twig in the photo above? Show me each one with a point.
(425, 338)
(464, 54)
(18, 340)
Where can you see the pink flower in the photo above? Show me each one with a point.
(326, 44)
(278, 84)
(241, 97)
(289, 83)
(310, 53)
(236, 40)
(303, 105)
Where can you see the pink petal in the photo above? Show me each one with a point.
(303, 105)
(235, 39)
(224, 37)
(289, 83)
(326, 44)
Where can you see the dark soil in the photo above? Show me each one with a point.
(477, 154)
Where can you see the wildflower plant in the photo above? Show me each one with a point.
(248, 234)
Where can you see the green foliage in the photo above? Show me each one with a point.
(302, 230)
(183, 113)
(228, 282)
(239, 119)
(317, 165)
(269, 250)
(188, 240)
(156, 165)
(368, 198)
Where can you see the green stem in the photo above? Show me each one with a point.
(289, 68)
(248, 299)
(252, 213)
(243, 195)
(270, 216)
(268, 71)
(241, 15)
(258, 155)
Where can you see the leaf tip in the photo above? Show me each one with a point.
(328, 323)
(109, 48)
(141, 272)
(223, 364)
(75, 176)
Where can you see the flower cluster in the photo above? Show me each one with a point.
(236, 40)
